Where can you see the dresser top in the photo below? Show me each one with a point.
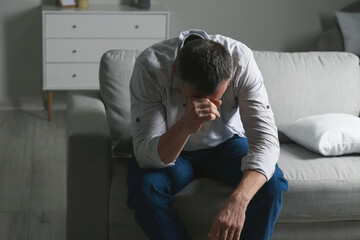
(106, 8)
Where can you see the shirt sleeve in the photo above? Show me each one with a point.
(147, 116)
(258, 121)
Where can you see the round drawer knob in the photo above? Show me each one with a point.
(136, 26)
(74, 51)
(74, 75)
(73, 26)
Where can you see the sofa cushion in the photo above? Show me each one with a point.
(321, 189)
(119, 213)
(350, 28)
(331, 134)
(340, 230)
(188, 203)
(115, 72)
(310, 83)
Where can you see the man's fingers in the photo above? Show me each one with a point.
(213, 233)
(223, 234)
(205, 109)
(231, 234)
(207, 117)
(208, 112)
(203, 102)
(217, 102)
(237, 234)
(215, 111)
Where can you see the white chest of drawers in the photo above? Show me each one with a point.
(74, 41)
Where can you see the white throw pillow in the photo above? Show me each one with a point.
(330, 134)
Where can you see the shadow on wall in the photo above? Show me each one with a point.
(328, 20)
(23, 54)
(331, 37)
(305, 43)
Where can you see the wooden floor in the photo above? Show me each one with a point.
(32, 175)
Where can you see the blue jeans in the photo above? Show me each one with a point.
(151, 192)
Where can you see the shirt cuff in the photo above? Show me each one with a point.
(148, 156)
(259, 164)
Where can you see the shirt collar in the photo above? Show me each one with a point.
(190, 32)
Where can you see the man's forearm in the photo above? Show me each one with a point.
(250, 183)
(172, 142)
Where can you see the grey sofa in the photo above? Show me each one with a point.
(323, 201)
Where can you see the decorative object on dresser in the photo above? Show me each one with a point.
(142, 4)
(74, 41)
(83, 3)
(67, 3)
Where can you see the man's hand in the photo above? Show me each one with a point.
(229, 221)
(198, 111)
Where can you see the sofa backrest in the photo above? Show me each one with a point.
(310, 83)
(298, 85)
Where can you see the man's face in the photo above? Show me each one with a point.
(188, 92)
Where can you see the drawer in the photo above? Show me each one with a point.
(105, 26)
(89, 50)
(71, 76)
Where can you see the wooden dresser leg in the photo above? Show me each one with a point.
(49, 104)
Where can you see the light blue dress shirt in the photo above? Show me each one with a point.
(156, 104)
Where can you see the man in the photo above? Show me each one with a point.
(199, 108)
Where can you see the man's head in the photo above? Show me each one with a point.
(204, 66)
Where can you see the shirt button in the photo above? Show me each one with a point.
(268, 106)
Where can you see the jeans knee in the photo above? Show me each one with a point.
(275, 186)
(151, 191)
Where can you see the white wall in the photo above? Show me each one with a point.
(276, 25)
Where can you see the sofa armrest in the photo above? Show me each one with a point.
(88, 167)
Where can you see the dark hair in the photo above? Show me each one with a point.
(204, 64)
